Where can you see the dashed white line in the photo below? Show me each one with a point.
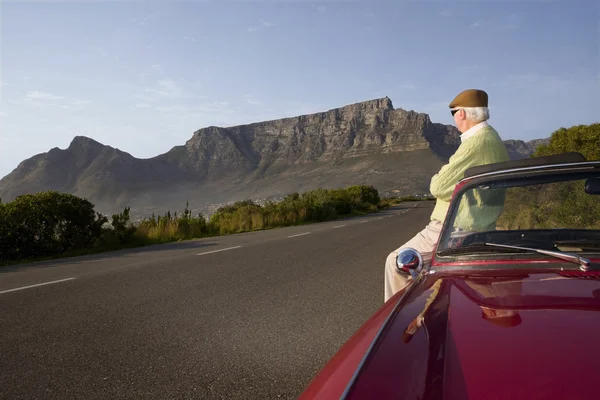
(362, 222)
(36, 285)
(300, 234)
(339, 226)
(216, 251)
(380, 218)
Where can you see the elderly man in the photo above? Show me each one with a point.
(480, 144)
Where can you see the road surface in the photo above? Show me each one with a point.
(247, 316)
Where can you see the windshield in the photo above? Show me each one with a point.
(559, 212)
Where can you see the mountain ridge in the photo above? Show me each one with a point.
(368, 142)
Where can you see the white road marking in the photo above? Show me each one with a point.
(362, 222)
(216, 251)
(339, 226)
(380, 218)
(300, 234)
(36, 285)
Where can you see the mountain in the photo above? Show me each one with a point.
(364, 143)
(518, 149)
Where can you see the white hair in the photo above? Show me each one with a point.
(478, 114)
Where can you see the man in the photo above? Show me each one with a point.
(480, 144)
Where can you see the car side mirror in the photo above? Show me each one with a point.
(409, 261)
(592, 186)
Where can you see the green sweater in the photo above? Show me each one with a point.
(484, 147)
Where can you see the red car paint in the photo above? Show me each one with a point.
(547, 349)
(458, 354)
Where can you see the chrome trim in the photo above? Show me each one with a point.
(532, 168)
(403, 269)
(525, 266)
(379, 332)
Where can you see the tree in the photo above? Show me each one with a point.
(122, 226)
(584, 139)
(47, 223)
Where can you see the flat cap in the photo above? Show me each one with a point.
(470, 98)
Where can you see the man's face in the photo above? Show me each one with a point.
(459, 118)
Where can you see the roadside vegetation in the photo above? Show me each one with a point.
(563, 204)
(52, 224)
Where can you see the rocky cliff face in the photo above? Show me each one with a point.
(352, 131)
(364, 143)
(518, 149)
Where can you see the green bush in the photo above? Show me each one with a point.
(312, 206)
(584, 139)
(123, 229)
(168, 228)
(47, 223)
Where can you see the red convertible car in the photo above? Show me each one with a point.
(509, 307)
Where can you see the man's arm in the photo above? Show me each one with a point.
(443, 183)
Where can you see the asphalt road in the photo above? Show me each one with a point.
(248, 316)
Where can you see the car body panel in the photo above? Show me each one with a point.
(547, 343)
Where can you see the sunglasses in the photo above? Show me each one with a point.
(454, 111)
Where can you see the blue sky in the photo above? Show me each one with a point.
(142, 76)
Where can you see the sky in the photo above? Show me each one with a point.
(143, 76)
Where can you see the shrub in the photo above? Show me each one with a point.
(47, 223)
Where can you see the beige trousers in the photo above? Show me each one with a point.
(423, 242)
